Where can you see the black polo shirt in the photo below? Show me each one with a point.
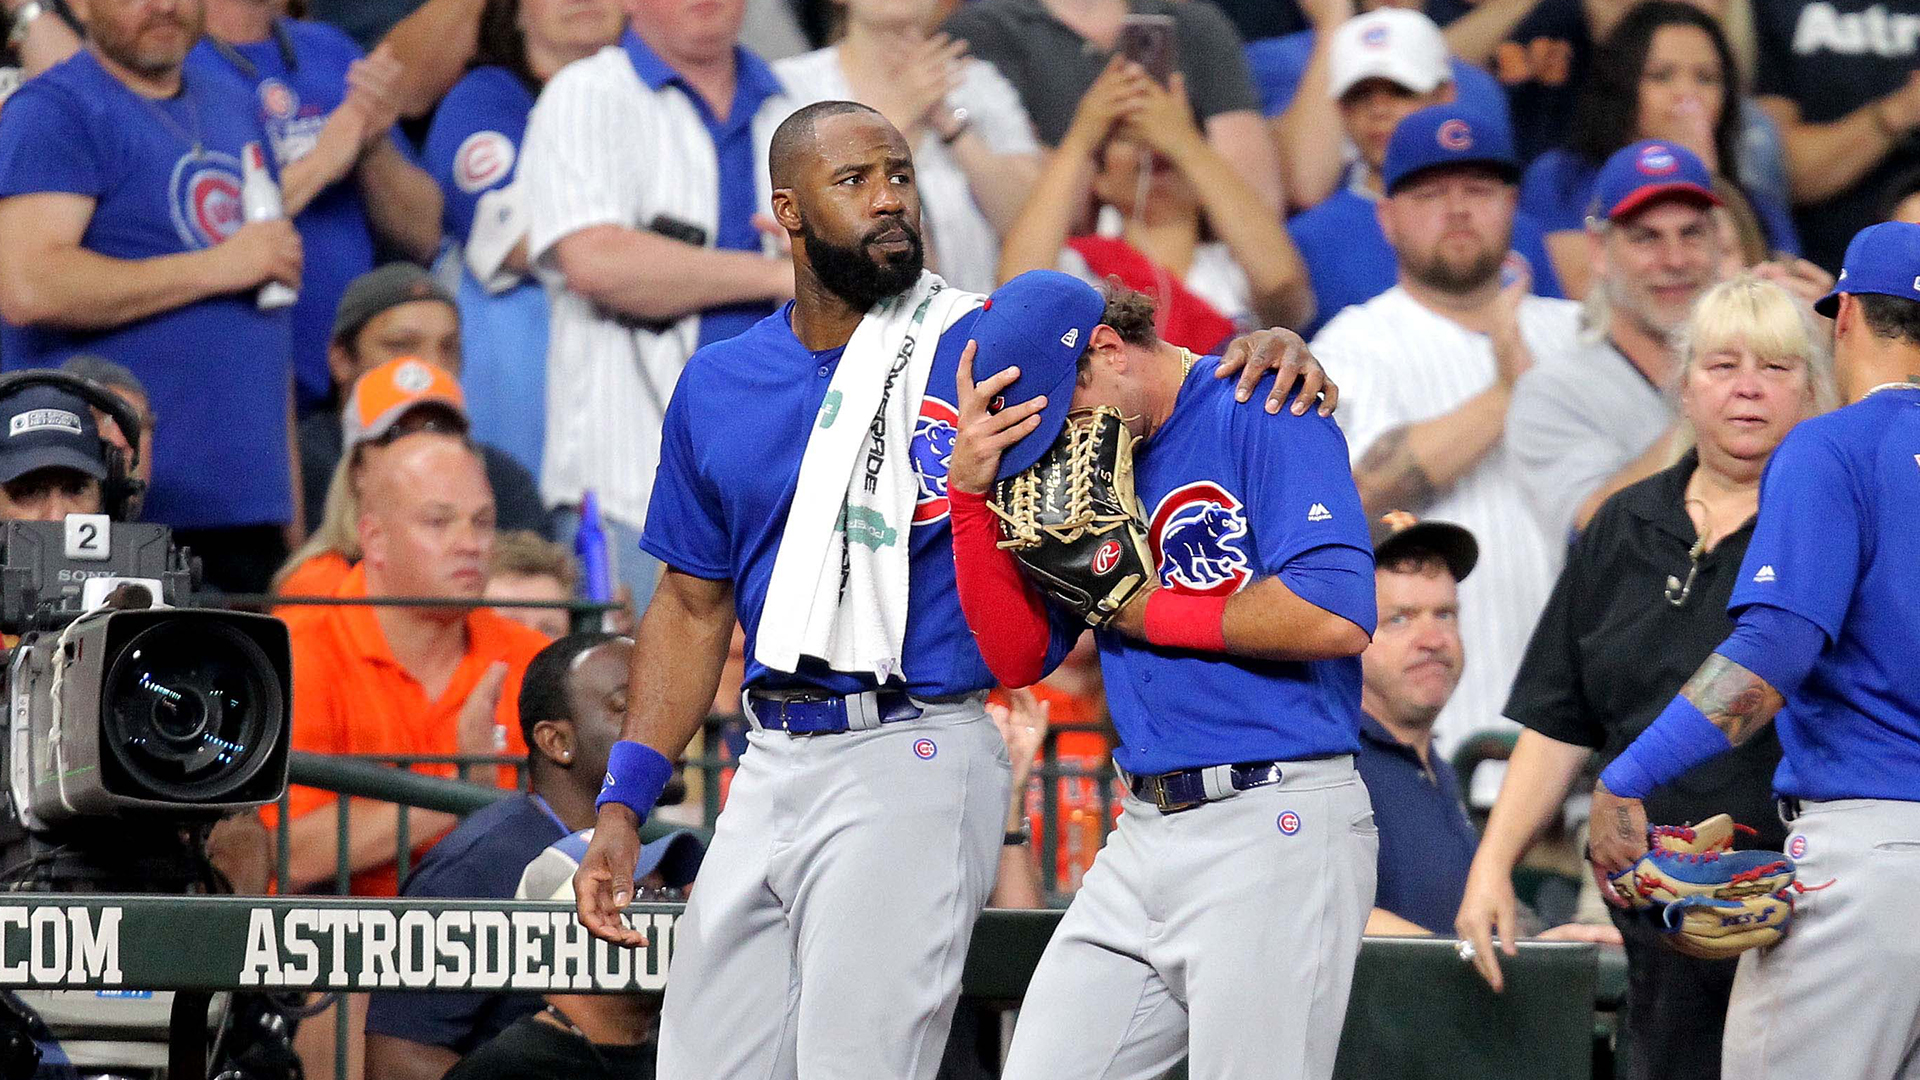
(1426, 839)
(1610, 651)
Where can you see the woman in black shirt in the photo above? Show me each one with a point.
(1640, 604)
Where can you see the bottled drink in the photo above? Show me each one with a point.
(260, 200)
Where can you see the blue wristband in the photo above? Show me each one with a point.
(1679, 739)
(636, 775)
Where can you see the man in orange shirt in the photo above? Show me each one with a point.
(394, 399)
(405, 680)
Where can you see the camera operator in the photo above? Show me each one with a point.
(122, 383)
(52, 459)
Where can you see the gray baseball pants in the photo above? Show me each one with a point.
(1226, 933)
(826, 935)
(1839, 996)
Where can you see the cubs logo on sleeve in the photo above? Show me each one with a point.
(1196, 536)
(204, 198)
(483, 160)
(934, 433)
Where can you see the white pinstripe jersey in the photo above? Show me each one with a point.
(1399, 363)
(602, 148)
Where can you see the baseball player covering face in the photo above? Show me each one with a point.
(1824, 640)
(1223, 917)
(802, 489)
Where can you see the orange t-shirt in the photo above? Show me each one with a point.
(351, 696)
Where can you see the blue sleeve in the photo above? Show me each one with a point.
(1303, 508)
(1555, 190)
(1478, 91)
(486, 120)
(1530, 241)
(1336, 579)
(1775, 644)
(45, 145)
(684, 527)
(1776, 221)
(1805, 556)
(1277, 66)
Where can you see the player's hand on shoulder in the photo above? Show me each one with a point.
(1285, 353)
(259, 252)
(985, 434)
(603, 885)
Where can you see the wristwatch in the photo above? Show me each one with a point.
(23, 17)
(1017, 837)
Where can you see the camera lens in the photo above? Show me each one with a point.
(192, 708)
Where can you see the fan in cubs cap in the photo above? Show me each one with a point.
(1444, 135)
(1039, 322)
(1401, 46)
(1882, 259)
(1643, 172)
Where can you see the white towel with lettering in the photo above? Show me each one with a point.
(839, 586)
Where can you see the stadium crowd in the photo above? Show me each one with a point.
(1558, 255)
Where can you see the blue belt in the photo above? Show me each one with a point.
(1185, 789)
(824, 714)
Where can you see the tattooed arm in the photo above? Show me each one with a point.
(1735, 700)
(1410, 466)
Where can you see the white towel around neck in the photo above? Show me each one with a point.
(839, 586)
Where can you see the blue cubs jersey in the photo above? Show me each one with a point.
(216, 369)
(473, 147)
(294, 101)
(1835, 544)
(1233, 495)
(730, 453)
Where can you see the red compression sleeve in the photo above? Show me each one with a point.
(1184, 621)
(1008, 618)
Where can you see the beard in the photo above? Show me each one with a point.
(1438, 273)
(123, 43)
(1640, 308)
(863, 280)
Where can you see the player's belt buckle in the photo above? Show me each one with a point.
(1156, 792)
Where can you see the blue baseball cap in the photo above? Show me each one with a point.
(1647, 170)
(1040, 323)
(1883, 259)
(1443, 135)
(45, 427)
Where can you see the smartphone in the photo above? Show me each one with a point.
(1147, 40)
(674, 229)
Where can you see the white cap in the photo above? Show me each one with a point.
(1399, 45)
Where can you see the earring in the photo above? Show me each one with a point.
(566, 755)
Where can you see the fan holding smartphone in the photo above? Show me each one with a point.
(1052, 51)
(1178, 222)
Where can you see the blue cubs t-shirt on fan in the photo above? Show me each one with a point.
(472, 148)
(297, 77)
(729, 462)
(1833, 545)
(1233, 495)
(217, 370)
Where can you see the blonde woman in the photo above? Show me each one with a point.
(1640, 604)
